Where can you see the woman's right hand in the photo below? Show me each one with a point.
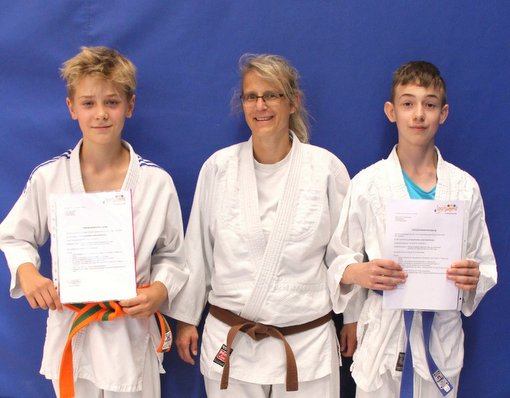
(187, 342)
(38, 290)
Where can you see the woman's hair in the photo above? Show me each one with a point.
(103, 62)
(279, 72)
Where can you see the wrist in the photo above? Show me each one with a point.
(349, 275)
(26, 269)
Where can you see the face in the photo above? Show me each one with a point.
(266, 119)
(101, 109)
(418, 112)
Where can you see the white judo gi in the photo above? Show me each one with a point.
(109, 354)
(281, 281)
(381, 333)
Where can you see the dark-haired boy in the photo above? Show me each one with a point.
(414, 170)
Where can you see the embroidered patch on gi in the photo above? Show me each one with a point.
(168, 341)
(400, 362)
(441, 381)
(221, 356)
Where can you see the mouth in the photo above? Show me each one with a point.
(102, 127)
(263, 119)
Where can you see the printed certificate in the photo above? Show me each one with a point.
(93, 246)
(424, 237)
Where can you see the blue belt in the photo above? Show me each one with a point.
(406, 387)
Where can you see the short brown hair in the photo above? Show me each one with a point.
(101, 61)
(421, 73)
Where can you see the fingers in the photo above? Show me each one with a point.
(187, 350)
(348, 340)
(349, 349)
(386, 264)
(146, 302)
(465, 274)
(137, 307)
(377, 274)
(38, 290)
(384, 274)
(465, 267)
(343, 342)
(46, 298)
(187, 342)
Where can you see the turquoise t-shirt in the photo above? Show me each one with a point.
(415, 192)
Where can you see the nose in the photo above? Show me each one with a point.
(102, 114)
(260, 103)
(419, 113)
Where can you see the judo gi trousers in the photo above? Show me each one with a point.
(151, 382)
(422, 388)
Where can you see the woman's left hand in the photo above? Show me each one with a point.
(348, 341)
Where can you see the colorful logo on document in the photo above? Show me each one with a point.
(446, 209)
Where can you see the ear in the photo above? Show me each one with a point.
(69, 104)
(444, 114)
(295, 104)
(389, 110)
(131, 107)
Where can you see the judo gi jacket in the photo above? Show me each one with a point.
(282, 281)
(110, 354)
(381, 333)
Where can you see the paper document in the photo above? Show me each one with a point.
(424, 237)
(94, 240)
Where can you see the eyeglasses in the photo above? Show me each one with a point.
(268, 97)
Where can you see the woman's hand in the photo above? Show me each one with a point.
(348, 341)
(187, 342)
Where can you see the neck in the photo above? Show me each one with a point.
(102, 156)
(420, 164)
(269, 150)
(417, 157)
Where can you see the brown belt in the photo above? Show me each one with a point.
(259, 331)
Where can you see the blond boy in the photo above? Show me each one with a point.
(116, 358)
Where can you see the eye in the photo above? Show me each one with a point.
(407, 104)
(270, 96)
(249, 97)
(87, 104)
(112, 103)
(431, 105)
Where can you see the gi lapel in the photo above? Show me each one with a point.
(444, 192)
(75, 177)
(397, 184)
(268, 264)
(250, 204)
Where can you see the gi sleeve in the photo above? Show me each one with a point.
(346, 247)
(479, 249)
(190, 301)
(167, 259)
(24, 230)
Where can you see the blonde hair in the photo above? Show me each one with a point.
(104, 62)
(278, 71)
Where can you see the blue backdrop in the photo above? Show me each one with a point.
(187, 53)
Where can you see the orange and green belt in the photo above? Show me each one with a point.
(103, 312)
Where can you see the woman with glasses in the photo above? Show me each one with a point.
(262, 217)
